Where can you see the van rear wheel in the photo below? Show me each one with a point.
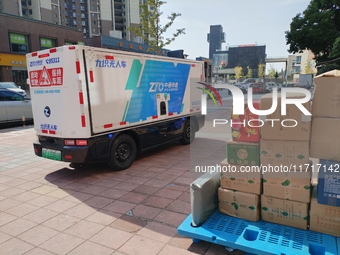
(189, 132)
(123, 152)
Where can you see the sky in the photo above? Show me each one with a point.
(243, 21)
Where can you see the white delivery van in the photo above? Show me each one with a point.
(101, 105)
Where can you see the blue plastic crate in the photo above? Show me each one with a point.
(260, 237)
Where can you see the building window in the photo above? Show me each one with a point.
(18, 42)
(54, 7)
(83, 23)
(69, 43)
(55, 15)
(92, 15)
(46, 43)
(65, 5)
(30, 11)
(298, 60)
(29, 3)
(83, 16)
(94, 22)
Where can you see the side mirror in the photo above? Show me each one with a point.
(27, 98)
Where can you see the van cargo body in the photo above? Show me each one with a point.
(100, 105)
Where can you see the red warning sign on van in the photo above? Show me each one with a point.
(46, 77)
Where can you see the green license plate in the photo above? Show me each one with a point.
(51, 154)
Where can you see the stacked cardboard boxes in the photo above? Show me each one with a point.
(325, 141)
(239, 194)
(285, 163)
(324, 218)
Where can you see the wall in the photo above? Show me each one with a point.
(34, 29)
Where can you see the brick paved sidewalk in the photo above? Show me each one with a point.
(48, 208)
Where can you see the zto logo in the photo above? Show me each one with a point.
(204, 99)
(47, 111)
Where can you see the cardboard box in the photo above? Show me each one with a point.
(240, 153)
(284, 212)
(244, 132)
(295, 186)
(325, 141)
(274, 130)
(324, 218)
(286, 153)
(326, 101)
(241, 178)
(329, 182)
(239, 204)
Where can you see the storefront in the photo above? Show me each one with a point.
(13, 68)
(24, 35)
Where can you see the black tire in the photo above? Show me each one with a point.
(76, 165)
(123, 152)
(189, 132)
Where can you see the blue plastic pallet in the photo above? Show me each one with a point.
(260, 237)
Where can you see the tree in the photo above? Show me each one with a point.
(271, 71)
(261, 70)
(238, 72)
(249, 73)
(316, 29)
(336, 49)
(334, 59)
(232, 77)
(276, 75)
(328, 67)
(151, 29)
(308, 67)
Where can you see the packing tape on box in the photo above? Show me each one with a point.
(306, 118)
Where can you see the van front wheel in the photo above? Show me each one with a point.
(123, 152)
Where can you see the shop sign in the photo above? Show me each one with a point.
(12, 60)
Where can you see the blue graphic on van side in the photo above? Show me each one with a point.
(171, 80)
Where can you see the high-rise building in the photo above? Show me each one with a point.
(91, 17)
(215, 39)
